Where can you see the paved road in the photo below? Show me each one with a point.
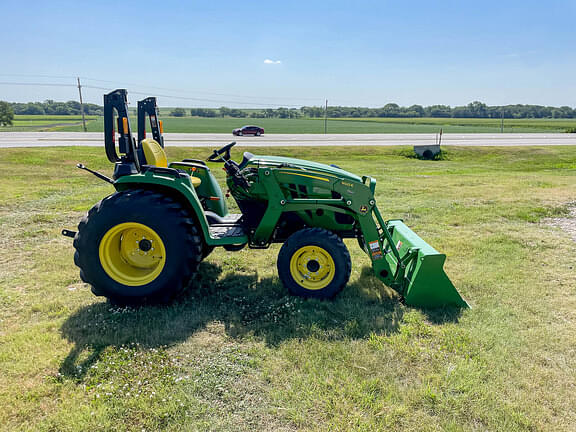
(49, 139)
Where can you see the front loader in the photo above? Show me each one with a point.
(144, 242)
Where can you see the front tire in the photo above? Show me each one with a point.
(137, 246)
(315, 263)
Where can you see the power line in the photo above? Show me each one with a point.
(37, 84)
(153, 87)
(37, 75)
(197, 91)
(187, 98)
(198, 99)
(255, 99)
(156, 87)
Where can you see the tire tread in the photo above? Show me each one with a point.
(153, 199)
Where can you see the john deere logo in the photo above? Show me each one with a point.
(348, 184)
(363, 209)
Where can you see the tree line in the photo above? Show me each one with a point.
(50, 107)
(472, 110)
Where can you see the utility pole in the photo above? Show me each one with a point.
(81, 105)
(326, 118)
(502, 122)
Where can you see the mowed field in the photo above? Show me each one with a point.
(272, 126)
(34, 123)
(236, 353)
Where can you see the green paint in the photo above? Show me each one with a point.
(326, 197)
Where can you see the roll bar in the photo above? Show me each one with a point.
(116, 103)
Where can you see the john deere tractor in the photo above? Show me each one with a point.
(144, 242)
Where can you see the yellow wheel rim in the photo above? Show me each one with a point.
(312, 267)
(132, 254)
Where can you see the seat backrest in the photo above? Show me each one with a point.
(154, 153)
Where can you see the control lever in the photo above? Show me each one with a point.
(238, 178)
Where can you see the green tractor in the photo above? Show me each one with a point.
(144, 242)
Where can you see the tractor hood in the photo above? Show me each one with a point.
(250, 159)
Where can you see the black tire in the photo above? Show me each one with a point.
(206, 250)
(362, 243)
(167, 218)
(240, 133)
(257, 134)
(315, 239)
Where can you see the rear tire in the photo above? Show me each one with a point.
(137, 246)
(315, 263)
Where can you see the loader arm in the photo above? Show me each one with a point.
(400, 258)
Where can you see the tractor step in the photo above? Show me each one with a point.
(226, 231)
(215, 219)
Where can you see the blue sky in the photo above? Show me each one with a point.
(364, 53)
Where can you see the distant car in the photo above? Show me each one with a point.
(248, 130)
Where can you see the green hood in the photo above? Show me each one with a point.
(302, 164)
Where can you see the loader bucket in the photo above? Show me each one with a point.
(424, 282)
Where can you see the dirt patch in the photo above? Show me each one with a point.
(568, 223)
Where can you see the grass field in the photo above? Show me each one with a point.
(378, 125)
(236, 353)
(36, 123)
(510, 125)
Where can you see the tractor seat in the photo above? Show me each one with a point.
(155, 155)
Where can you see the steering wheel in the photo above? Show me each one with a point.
(216, 155)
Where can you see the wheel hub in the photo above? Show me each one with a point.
(132, 254)
(312, 267)
(145, 245)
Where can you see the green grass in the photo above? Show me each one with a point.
(371, 125)
(38, 123)
(313, 126)
(510, 125)
(236, 353)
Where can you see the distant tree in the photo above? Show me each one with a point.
(461, 112)
(391, 110)
(6, 114)
(202, 112)
(178, 112)
(93, 109)
(438, 111)
(417, 109)
(477, 109)
(283, 113)
(235, 112)
(32, 109)
(567, 112)
(312, 111)
(224, 111)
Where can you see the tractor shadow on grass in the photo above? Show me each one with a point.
(248, 308)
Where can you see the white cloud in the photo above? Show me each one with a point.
(268, 61)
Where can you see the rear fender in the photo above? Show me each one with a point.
(178, 187)
(209, 188)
